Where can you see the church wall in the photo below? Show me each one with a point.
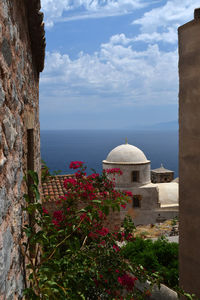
(189, 154)
(125, 180)
(149, 211)
(21, 60)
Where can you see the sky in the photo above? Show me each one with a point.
(111, 64)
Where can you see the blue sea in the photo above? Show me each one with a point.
(60, 147)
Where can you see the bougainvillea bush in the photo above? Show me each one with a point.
(70, 253)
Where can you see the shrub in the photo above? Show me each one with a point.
(71, 254)
(158, 256)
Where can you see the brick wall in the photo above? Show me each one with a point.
(22, 47)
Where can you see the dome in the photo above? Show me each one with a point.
(126, 153)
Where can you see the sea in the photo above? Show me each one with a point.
(60, 147)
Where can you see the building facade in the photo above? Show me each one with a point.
(22, 48)
(151, 201)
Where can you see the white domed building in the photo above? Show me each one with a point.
(152, 202)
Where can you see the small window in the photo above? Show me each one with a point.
(136, 201)
(135, 176)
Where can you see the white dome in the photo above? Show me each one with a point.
(126, 154)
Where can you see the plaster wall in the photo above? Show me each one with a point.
(125, 180)
(19, 111)
(150, 210)
(189, 154)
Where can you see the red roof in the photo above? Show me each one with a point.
(53, 187)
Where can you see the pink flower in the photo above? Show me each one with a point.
(93, 176)
(45, 211)
(127, 281)
(76, 164)
(128, 193)
(123, 206)
(92, 235)
(58, 214)
(70, 181)
(103, 243)
(116, 248)
(114, 171)
(103, 231)
(129, 236)
(83, 216)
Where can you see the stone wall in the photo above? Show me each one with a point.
(189, 154)
(22, 47)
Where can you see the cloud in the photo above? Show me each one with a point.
(81, 9)
(116, 75)
(161, 23)
(173, 12)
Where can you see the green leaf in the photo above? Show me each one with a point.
(96, 201)
(34, 176)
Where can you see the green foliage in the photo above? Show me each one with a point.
(158, 256)
(174, 221)
(71, 254)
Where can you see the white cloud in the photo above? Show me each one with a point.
(168, 36)
(81, 9)
(161, 23)
(173, 12)
(117, 72)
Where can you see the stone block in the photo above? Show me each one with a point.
(2, 160)
(2, 95)
(5, 8)
(6, 51)
(10, 132)
(1, 137)
(5, 258)
(4, 203)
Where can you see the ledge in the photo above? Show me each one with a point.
(37, 33)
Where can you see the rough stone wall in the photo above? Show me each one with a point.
(20, 64)
(189, 154)
(161, 177)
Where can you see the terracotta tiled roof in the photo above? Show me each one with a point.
(53, 187)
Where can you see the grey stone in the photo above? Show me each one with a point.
(0, 31)
(6, 51)
(5, 203)
(5, 258)
(13, 31)
(20, 286)
(2, 95)
(20, 72)
(1, 136)
(5, 8)
(2, 161)
(5, 148)
(10, 132)
(15, 99)
(19, 180)
(162, 293)
(10, 288)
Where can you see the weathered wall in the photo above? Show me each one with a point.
(125, 180)
(189, 155)
(21, 59)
